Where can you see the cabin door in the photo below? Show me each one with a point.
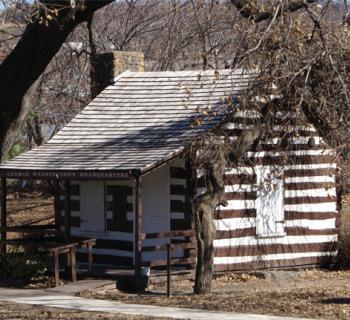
(92, 206)
(269, 203)
(156, 209)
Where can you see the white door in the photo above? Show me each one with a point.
(156, 201)
(269, 203)
(92, 206)
(156, 209)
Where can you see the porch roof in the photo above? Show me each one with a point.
(143, 119)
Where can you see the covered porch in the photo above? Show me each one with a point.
(150, 250)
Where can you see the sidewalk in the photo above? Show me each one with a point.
(56, 300)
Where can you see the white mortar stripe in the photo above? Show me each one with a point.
(247, 114)
(254, 241)
(243, 223)
(239, 188)
(332, 192)
(109, 252)
(311, 224)
(239, 126)
(310, 179)
(293, 140)
(250, 170)
(129, 199)
(238, 204)
(177, 197)
(177, 215)
(262, 154)
(234, 223)
(270, 257)
(296, 128)
(314, 207)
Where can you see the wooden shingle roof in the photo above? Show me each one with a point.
(144, 118)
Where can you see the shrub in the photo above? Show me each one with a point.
(23, 266)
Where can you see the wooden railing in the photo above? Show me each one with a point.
(70, 251)
(30, 233)
(176, 244)
(189, 243)
(49, 244)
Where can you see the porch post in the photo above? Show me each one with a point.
(67, 211)
(138, 225)
(3, 216)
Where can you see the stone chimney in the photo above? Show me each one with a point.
(105, 67)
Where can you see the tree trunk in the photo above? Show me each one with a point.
(203, 208)
(16, 123)
(29, 59)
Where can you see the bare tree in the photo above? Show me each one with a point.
(51, 24)
(302, 56)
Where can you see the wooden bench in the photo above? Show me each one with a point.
(70, 250)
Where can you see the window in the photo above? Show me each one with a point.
(118, 207)
(269, 203)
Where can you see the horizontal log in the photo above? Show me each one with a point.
(174, 261)
(240, 213)
(106, 259)
(236, 233)
(253, 250)
(74, 221)
(179, 173)
(176, 189)
(283, 263)
(127, 226)
(297, 215)
(179, 206)
(191, 245)
(169, 234)
(303, 200)
(309, 185)
(310, 172)
(277, 134)
(179, 224)
(241, 195)
(300, 231)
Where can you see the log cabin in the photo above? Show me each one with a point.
(123, 178)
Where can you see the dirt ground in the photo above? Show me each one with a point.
(13, 311)
(318, 294)
(29, 210)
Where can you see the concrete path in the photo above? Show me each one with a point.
(72, 288)
(56, 300)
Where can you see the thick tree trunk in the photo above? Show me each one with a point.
(203, 208)
(16, 124)
(29, 59)
(205, 204)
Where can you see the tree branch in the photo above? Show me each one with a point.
(248, 9)
(29, 59)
